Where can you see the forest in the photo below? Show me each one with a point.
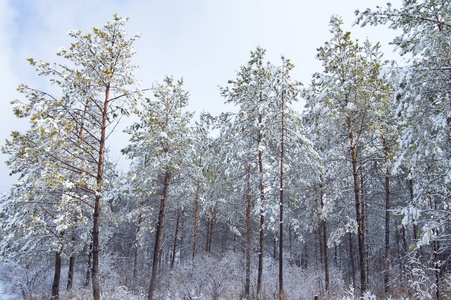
(347, 199)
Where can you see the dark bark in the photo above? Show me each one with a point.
(210, 238)
(159, 235)
(387, 226)
(208, 235)
(359, 211)
(137, 247)
(262, 218)
(325, 254)
(88, 269)
(56, 277)
(210, 220)
(70, 275)
(290, 244)
(260, 256)
(351, 258)
(174, 249)
(323, 230)
(196, 220)
(387, 235)
(437, 267)
(96, 215)
(281, 291)
(247, 283)
(412, 198)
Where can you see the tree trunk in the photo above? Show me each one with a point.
(262, 217)
(323, 230)
(387, 235)
(290, 244)
(208, 234)
(174, 249)
(96, 215)
(387, 225)
(359, 211)
(412, 198)
(137, 246)
(209, 231)
(437, 267)
(325, 254)
(95, 251)
(435, 244)
(159, 236)
(260, 257)
(196, 220)
(56, 277)
(351, 257)
(70, 275)
(247, 283)
(281, 291)
(210, 238)
(88, 269)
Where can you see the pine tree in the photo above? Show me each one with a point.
(159, 149)
(346, 98)
(73, 127)
(422, 102)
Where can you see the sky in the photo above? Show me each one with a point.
(203, 42)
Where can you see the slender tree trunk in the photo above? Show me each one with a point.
(174, 249)
(325, 254)
(359, 209)
(387, 235)
(387, 225)
(196, 219)
(159, 236)
(182, 239)
(435, 244)
(351, 257)
(323, 227)
(210, 238)
(282, 153)
(336, 256)
(437, 267)
(320, 243)
(208, 234)
(137, 247)
(262, 217)
(88, 269)
(96, 215)
(70, 275)
(57, 276)
(260, 256)
(247, 283)
(290, 244)
(304, 257)
(209, 231)
(412, 198)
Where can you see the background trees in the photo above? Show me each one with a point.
(422, 108)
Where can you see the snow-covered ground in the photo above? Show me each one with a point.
(4, 294)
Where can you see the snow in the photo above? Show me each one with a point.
(4, 294)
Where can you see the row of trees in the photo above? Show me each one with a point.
(361, 176)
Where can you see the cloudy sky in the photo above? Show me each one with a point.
(204, 42)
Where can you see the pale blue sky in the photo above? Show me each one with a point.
(204, 42)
